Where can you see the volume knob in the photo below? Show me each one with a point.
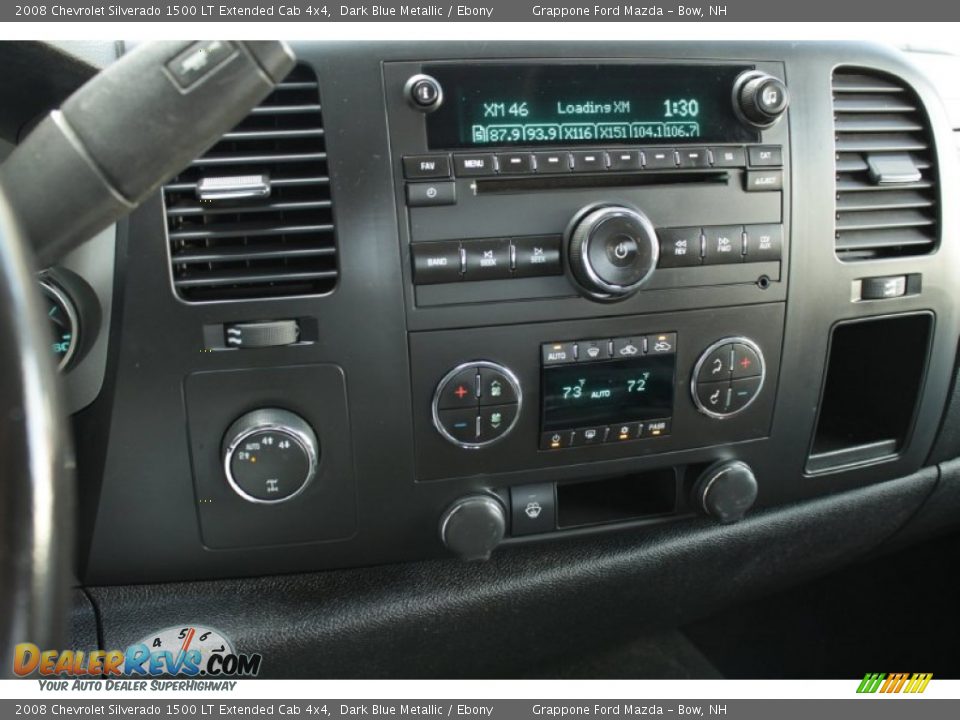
(761, 99)
(612, 250)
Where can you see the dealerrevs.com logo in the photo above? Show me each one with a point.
(190, 652)
(889, 683)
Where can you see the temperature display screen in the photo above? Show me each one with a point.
(568, 105)
(605, 393)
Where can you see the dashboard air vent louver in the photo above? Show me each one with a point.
(253, 217)
(886, 192)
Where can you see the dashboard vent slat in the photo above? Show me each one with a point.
(882, 134)
(277, 244)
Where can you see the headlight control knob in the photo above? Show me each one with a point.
(612, 251)
(726, 490)
(270, 455)
(473, 526)
(759, 98)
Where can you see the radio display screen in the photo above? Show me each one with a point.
(496, 105)
(605, 393)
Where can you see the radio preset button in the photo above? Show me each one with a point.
(746, 362)
(661, 344)
(487, 259)
(763, 242)
(659, 158)
(589, 161)
(743, 392)
(515, 163)
(425, 194)
(717, 365)
(536, 256)
(694, 158)
(625, 159)
(728, 157)
(426, 166)
(679, 247)
(474, 165)
(764, 180)
(558, 353)
(723, 244)
(495, 388)
(436, 262)
(552, 162)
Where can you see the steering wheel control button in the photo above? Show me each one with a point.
(495, 388)
(460, 391)
(661, 344)
(743, 392)
(765, 155)
(728, 377)
(723, 244)
(536, 256)
(426, 194)
(487, 259)
(473, 526)
(476, 404)
(421, 167)
(558, 353)
(679, 247)
(746, 362)
(763, 243)
(436, 262)
(533, 509)
(270, 455)
(612, 250)
(424, 93)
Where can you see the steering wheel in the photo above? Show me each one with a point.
(36, 470)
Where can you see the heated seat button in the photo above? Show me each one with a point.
(487, 259)
(716, 366)
(723, 244)
(495, 388)
(743, 392)
(460, 424)
(536, 256)
(714, 396)
(534, 509)
(495, 420)
(436, 262)
(746, 363)
(679, 247)
(460, 391)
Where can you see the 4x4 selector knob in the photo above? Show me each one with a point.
(759, 98)
(270, 455)
(612, 251)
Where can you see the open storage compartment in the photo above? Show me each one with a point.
(874, 376)
(619, 499)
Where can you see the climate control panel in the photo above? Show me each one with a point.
(476, 404)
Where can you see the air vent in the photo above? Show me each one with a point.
(885, 168)
(253, 217)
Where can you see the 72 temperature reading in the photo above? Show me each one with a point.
(638, 384)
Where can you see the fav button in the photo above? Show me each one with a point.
(426, 166)
(487, 259)
(534, 509)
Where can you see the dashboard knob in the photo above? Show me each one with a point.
(726, 490)
(612, 251)
(761, 99)
(270, 455)
(473, 526)
(424, 93)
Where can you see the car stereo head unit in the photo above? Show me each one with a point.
(563, 104)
